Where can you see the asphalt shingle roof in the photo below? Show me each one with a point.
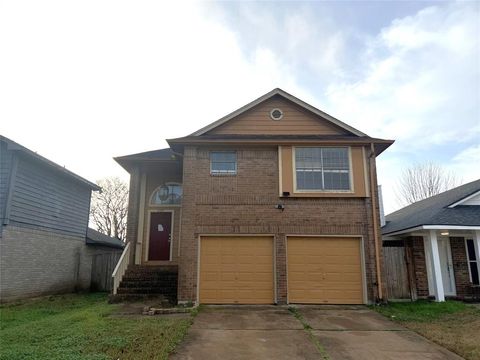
(97, 238)
(435, 211)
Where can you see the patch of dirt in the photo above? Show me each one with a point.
(136, 308)
(459, 332)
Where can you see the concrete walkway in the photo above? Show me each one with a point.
(272, 332)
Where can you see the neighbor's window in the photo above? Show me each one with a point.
(322, 168)
(223, 162)
(167, 194)
(473, 262)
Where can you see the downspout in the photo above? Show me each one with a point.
(375, 223)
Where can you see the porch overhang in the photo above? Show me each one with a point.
(424, 229)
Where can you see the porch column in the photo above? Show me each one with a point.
(436, 271)
(476, 240)
(133, 206)
(141, 219)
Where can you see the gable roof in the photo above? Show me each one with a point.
(284, 94)
(12, 145)
(97, 238)
(435, 210)
(475, 197)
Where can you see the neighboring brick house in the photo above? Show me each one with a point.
(441, 236)
(44, 211)
(274, 203)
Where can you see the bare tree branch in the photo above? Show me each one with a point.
(421, 181)
(108, 211)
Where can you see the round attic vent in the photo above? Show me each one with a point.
(276, 114)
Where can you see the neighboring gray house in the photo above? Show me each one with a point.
(441, 240)
(44, 212)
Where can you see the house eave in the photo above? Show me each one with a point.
(379, 144)
(130, 163)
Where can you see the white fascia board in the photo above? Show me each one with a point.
(460, 202)
(404, 231)
(451, 227)
(433, 227)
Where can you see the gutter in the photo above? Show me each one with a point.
(375, 224)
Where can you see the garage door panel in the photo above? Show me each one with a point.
(324, 270)
(226, 276)
(236, 270)
(341, 267)
(210, 276)
(342, 277)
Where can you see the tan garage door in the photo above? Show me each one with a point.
(324, 270)
(236, 270)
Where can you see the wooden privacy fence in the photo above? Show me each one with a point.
(396, 272)
(102, 269)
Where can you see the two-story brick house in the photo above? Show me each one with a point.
(274, 203)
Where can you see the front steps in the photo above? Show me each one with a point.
(142, 282)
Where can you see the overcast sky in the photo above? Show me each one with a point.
(83, 81)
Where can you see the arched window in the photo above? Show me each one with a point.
(167, 194)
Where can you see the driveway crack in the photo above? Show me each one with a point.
(309, 330)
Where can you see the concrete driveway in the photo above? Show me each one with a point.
(273, 332)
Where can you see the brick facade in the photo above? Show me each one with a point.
(420, 267)
(245, 204)
(36, 262)
(460, 266)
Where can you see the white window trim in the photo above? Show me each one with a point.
(227, 172)
(320, 191)
(152, 204)
(477, 251)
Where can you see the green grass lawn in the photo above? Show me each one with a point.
(81, 327)
(452, 324)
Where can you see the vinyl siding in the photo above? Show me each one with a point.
(295, 121)
(44, 198)
(5, 168)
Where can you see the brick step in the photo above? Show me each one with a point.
(162, 278)
(146, 274)
(141, 290)
(161, 283)
(118, 298)
(153, 269)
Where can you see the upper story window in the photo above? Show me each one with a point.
(223, 162)
(473, 262)
(167, 194)
(322, 168)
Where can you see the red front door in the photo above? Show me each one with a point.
(160, 236)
